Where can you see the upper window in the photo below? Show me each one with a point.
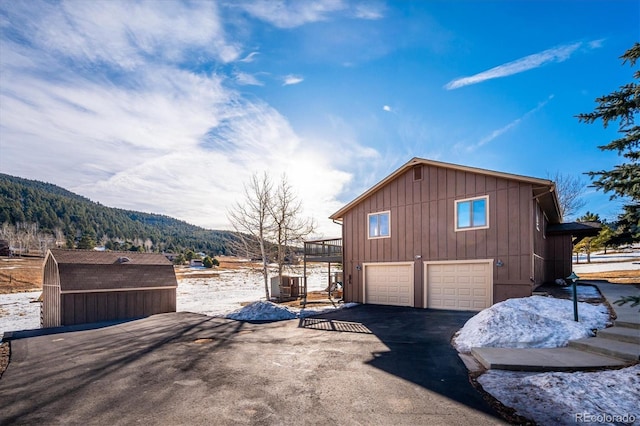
(379, 225)
(472, 213)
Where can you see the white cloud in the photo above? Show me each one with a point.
(294, 13)
(247, 79)
(290, 14)
(556, 54)
(249, 58)
(292, 79)
(387, 108)
(368, 10)
(95, 99)
(499, 132)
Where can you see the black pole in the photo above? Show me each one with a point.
(575, 301)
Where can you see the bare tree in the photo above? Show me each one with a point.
(8, 232)
(570, 189)
(251, 219)
(290, 228)
(59, 236)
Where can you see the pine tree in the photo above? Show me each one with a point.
(623, 180)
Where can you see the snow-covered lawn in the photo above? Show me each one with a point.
(608, 397)
(605, 397)
(628, 260)
(214, 296)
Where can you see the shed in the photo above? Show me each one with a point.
(85, 286)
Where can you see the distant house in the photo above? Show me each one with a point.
(196, 263)
(85, 286)
(446, 236)
(4, 248)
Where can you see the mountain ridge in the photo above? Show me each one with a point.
(57, 210)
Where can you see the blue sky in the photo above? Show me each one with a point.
(169, 107)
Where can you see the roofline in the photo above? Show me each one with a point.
(417, 161)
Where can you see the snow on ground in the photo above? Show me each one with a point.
(628, 260)
(603, 397)
(213, 296)
(530, 322)
(19, 311)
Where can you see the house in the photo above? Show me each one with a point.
(446, 236)
(85, 286)
(196, 263)
(4, 248)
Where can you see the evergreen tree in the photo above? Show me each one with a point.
(87, 241)
(622, 106)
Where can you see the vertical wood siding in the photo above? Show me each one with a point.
(81, 308)
(422, 229)
(50, 308)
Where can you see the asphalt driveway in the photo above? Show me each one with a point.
(364, 365)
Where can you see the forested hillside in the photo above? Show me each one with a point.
(67, 219)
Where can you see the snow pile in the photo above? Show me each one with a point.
(263, 310)
(604, 397)
(269, 311)
(530, 322)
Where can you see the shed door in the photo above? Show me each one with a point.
(389, 284)
(464, 286)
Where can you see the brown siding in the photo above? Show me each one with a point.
(559, 249)
(50, 308)
(422, 229)
(81, 308)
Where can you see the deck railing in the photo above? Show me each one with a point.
(323, 248)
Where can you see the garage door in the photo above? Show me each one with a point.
(460, 286)
(389, 284)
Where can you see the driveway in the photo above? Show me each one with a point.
(364, 365)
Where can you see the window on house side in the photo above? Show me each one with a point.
(537, 217)
(379, 225)
(472, 214)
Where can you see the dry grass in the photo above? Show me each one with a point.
(20, 274)
(617, 277)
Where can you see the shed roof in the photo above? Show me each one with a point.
(543, 189)
(92, 257)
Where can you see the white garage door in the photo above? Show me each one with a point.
(460, 286)
(389, 284)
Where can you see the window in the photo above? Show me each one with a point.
(417, 173)
(472, 213)
(379, 225)
(537, 217)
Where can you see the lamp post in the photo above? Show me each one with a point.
(573, 278)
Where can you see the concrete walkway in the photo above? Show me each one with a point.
(616, 346)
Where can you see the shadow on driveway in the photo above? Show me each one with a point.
(394, 366)
(419, 346)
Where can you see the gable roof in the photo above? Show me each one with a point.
(543, 189)
(92, 257)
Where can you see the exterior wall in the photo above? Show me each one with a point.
(559, 255)
(422, 229)
(50, 308)
(82, 308)
(540, 252)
